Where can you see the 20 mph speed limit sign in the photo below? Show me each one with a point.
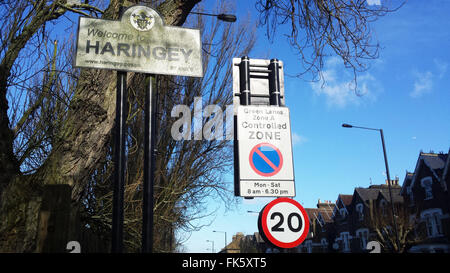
(283, 223)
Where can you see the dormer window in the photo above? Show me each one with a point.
(343, 212)
(360, 211)
(427, 183)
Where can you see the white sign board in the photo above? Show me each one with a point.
(265, 151)
(139, 42)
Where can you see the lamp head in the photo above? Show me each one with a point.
(226, 17)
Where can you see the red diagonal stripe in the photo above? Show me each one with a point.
(275, 168)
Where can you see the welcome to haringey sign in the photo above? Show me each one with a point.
(139, 42)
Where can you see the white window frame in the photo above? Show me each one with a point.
(432, 219)
(360, 210)
(345, 237)
(324, 243)
(308, 245)
(343, 212)
(363, 235)
(427, 185)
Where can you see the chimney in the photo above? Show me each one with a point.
(394, 182)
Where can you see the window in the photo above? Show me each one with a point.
(383, 207)
(432, 218)
(363, 235)
(343, 212)
(324, 243)
(427, 183)
(360, 211)
(308, 245)
(345, 237)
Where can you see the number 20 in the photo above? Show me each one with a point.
(278, 228)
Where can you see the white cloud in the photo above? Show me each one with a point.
(338, 85)
(423, 84)
(374, 2)
(424, 81)
(298, 139)
(441, 67)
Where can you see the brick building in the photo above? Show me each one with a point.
(421, 206)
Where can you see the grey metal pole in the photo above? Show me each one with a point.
(390, 190)
(244, 80)
(274, 82)
(149, 167)
(119, 162)
(225, 242)
(394, 221)
(225, 248)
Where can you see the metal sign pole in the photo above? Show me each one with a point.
(119, 162)
(244, 98)
(149, 166)
(244, 77)
(274, 82)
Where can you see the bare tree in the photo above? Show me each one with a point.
(322, 28)
(380, 222)
(187, 172)
(80, 144)
(61, 135)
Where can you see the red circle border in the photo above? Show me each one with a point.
(253, 165)
(266, 229)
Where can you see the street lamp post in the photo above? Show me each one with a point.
(387, 174)
(212, 242)
(223, 17)
(225, 248)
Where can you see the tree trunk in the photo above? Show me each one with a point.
(79, 149)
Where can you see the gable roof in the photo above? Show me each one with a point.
(373, 192)
(326, 214)
(406, 182)
(445, 174)
(396, 197)
(346, 199)
(312, 214)
(367, 194)
(434, 162)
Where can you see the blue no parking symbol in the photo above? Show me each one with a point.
(266, 159)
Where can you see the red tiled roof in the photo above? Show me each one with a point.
(346, 198)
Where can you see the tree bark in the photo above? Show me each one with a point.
(79, 149)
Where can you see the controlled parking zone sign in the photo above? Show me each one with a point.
(265, 152)
(283, 223)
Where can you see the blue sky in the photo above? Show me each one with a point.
(406, 93)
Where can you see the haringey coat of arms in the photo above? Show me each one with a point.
(142, 19)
